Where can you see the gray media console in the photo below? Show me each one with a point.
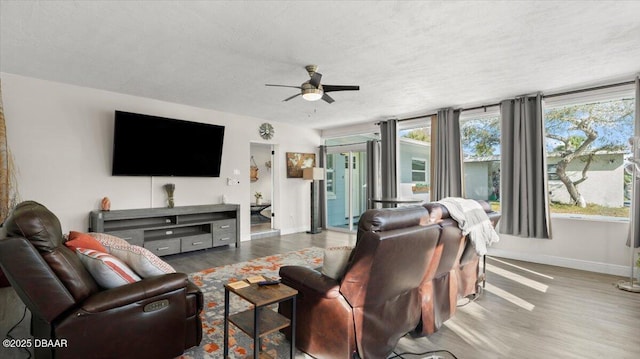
(166, 231)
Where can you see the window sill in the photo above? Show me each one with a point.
(590, 218)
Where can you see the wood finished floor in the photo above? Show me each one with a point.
(215, 257)
(527, 310)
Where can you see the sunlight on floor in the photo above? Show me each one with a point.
(476, 311)
(518, 278)
(521, 268)
(509, 297)
(473, 336)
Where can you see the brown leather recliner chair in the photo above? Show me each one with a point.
(378, 299)
(157, 317)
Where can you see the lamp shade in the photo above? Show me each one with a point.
(313, 173)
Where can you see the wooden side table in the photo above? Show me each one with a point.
(260, 321)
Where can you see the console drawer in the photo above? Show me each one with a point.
(200, 241)
(163, 247)
(133, 236)
(224, 238)
(224, 225)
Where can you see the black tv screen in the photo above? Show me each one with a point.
(146, 145)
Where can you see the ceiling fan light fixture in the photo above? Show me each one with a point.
(312, 94)
(314, 90)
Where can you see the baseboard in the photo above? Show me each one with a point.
(590, 266)
(294, 230)
(266, 234)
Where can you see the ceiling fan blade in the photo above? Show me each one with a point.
(315, 79)
(289, 98)
(327, 98)
(295, 87)
(330, 88)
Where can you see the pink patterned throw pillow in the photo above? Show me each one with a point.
(107, 270)
(108, 240)
(141, 260)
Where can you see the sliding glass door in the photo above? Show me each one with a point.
(346, 186)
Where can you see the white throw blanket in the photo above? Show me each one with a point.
(472, 220)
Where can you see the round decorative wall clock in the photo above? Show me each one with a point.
(266, 131)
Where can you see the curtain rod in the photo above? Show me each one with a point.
(416, 117)
(590, 89)
(543, 96)
(479, 107)
(349, 144)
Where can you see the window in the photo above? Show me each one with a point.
(418, 170)
(414, 164)
(587, 148)
(551, 172)
(329, 180)
(480, 140)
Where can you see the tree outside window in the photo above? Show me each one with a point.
(587, 146)
(480, 140)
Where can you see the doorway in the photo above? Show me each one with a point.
(261, 189)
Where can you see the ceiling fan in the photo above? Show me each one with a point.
(312, 90)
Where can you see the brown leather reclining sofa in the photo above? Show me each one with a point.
(157, 317)
(457, 273)
(405, 275)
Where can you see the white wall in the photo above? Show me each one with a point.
(592, 244)
(61, 139)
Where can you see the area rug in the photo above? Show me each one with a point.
(211, 282)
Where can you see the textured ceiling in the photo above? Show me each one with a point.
(407, 57)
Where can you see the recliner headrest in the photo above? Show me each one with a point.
(387, 219)
(438, 212)
(37, 224)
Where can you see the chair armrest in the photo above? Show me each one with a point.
(195, 299)
(131, 293)
(309, 280)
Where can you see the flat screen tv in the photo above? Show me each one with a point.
(146, 145)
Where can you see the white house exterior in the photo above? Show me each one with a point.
(604, 184)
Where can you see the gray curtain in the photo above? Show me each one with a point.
(373, 171)
(322, 206)
(447, 177)
(634, 222)
(389, 155)
(523, 169)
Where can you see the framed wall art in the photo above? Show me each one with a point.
(297, 161)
